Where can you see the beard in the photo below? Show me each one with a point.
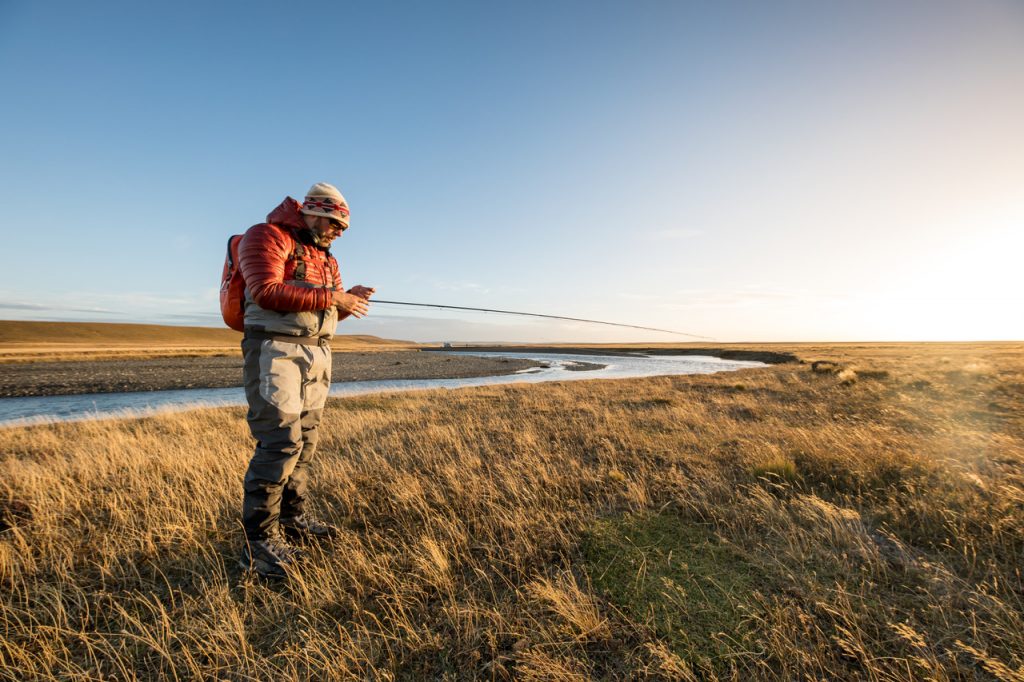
(321, 239)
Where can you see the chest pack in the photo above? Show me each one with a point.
(232, 284)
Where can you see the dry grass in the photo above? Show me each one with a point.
(778, 523)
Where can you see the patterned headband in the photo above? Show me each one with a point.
(326, 204)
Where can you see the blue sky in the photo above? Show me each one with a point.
(747, 171)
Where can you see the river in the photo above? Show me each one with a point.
(557, 367)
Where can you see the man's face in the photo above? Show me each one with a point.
(325, 230)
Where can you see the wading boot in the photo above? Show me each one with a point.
(304, 528)
(271, 557)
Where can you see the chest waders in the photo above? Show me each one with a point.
(286, 385)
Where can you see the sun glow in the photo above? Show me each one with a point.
(962, 289)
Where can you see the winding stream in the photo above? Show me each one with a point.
(557, 367)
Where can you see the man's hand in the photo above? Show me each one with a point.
(362, 292)
(354, 305)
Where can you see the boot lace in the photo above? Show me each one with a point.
(309, 523)
(279, 546)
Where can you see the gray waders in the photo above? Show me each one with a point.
(286, 384)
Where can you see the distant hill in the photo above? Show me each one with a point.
(103, 333)
(22, 340)
(20, 331)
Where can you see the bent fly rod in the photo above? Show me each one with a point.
(550, 317)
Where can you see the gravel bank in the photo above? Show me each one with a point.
(112, 376)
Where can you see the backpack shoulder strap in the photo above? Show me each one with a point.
(298, 255)
(231, 252)
(231, 258)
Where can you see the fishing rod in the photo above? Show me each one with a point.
(550, 317)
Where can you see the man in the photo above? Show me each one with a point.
(293, 302)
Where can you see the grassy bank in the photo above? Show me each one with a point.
(859, 520)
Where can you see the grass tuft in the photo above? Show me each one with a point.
(777, 469)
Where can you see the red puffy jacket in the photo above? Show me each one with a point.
(282, 274)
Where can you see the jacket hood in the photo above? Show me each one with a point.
(287, 214)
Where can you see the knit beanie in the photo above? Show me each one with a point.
(325, 200)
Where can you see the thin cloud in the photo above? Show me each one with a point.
(729, 298)
(744, 298)
(42, 308)
(144, 299)
(22, 306)
(461, 286)
(673, 233)
(496, 328)
(193, 316)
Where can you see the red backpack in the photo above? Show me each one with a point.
(232, 288)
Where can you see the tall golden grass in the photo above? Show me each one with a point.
(861, 522)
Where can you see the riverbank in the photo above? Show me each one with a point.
(134, 374)
(550, 367)
(79, 377)
(158, 374)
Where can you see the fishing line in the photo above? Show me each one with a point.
(550, 317)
